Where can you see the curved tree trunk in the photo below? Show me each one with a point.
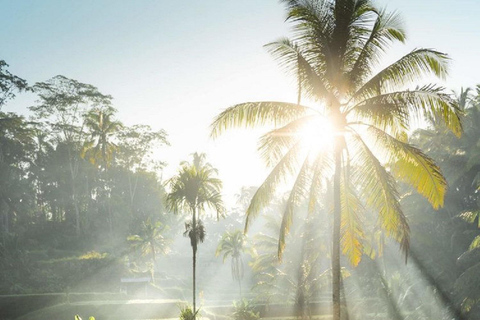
(336, 232)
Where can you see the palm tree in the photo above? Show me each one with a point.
(194, 189)
(232, 245)
(151, 239)
(102, 127)
(336, 46)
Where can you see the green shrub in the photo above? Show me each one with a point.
(186, 313)
(245, 310)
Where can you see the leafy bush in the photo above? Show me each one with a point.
(245, 310)
(186, 313)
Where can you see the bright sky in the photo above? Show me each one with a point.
(176, 64)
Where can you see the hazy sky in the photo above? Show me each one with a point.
(176, 64)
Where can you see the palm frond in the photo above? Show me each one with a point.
(350, 226)
(273, 145)
(386, 29)
(321, 165)
(265, 192)
(297, 194)
(396, 108)
(295, 62)
(411, 165)
(380, 193)
(404, 71)
(253, 114)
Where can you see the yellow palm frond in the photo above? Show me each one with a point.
(411, 165)
(377, 188)
(351, 229)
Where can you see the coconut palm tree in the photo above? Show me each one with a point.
(151, 239)
(354, 126)
(232, 245)
(102, 127)
(194, 190)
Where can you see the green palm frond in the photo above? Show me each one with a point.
(297, 194)
(265, 192)
(351, 228)
(295, 62)
(404, 71)
(471, 216)
(411, 165)
(253, 114)
(386, 30)
(475, 243)
(380, 193)
(313, 23)
(396, 108)
(195, 187)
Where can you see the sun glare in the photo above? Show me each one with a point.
(317, 135)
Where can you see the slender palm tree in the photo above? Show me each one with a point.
(195, 189)
(99, 148)
(366, 117)
(232, 245)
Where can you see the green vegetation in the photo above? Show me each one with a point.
(89, 225)
(186, 313)
(245, 310)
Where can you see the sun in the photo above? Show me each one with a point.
(317, 135)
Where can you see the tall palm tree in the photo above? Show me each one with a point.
(102, 128)
(195, 189)
(336, 47)
(232, 245)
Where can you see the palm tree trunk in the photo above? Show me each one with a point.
(74, 197)
(194, 226)
(154, 259)
(240, 287)
(336, 232)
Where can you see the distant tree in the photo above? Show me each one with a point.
(9, 84)
(102, 128)
(232, 244)
(151, 240)
(193, 190)
(62, 104)
(136, 145)
(16, 149)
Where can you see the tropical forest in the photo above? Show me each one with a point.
(239, 160)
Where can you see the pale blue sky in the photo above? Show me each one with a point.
(176, 64)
